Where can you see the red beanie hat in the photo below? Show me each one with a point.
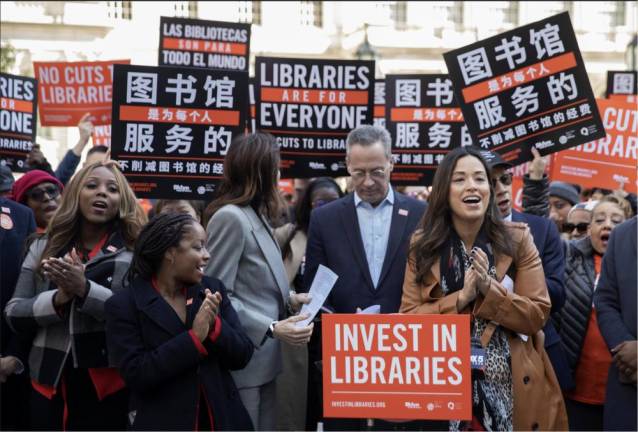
(29, 180)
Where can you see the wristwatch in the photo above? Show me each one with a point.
(271, 329)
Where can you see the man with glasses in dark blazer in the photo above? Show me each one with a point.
(364, 237)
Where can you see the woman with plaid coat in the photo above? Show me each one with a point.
(67, 276)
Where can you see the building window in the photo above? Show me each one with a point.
(249, 12)
(619, 14)
(311, 13)
(185, 9)
(400, 15)
(119, 10)
(568, 6)
(510, 13)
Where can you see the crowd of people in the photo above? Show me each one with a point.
(185, 317)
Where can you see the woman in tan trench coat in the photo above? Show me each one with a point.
(464, 259)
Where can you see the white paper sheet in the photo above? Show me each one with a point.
(321, 286)
(374, 309)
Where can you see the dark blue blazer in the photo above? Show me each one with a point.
(162, 366)
(615, 300)
(334, 240)
(550, 248)
(12, 249)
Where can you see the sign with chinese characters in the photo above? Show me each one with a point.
(609, 162)
(621, 85)
(204, 44)
(396, 366)
(379, 103)
(526, 87)
(425, 123)
(69, 90)
(18, 119)
(310, 106)
(172, 127)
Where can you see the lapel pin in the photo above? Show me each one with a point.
(6, 222)
(189, 301)
(403, 212)
(6, 210)
(111, 248)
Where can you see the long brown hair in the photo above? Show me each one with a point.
(65, 223)
(435, 227)
(251, 169)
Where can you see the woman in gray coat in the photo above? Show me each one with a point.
(245, 256)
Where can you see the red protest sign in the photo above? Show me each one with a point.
(69, 90)
(396, 366)
(101, 136)
(609, 162)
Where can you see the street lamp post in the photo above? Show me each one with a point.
(365, 51)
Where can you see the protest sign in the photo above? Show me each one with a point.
(609, 162)
(621, 84)
(425, 123)
(172, 127)
(310, 106)
(379, 103)
(396, 366)
(68, 90)
(204, 44)
(251, 126)
(526, 87)
(101, 136)
(18, 119)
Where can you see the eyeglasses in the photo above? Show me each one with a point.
(504, 179)
(570, 227)
(377, 174)
(38, 194)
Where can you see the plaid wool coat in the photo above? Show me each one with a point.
(79, 330)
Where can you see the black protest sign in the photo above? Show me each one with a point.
(621, 83)
(310, 106)
(379, 103)
(18, 119)
(526, 87)
(204, 44)
(251, 126)
(425, 123)
(172, 127)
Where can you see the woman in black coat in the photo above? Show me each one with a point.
(175, 336)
